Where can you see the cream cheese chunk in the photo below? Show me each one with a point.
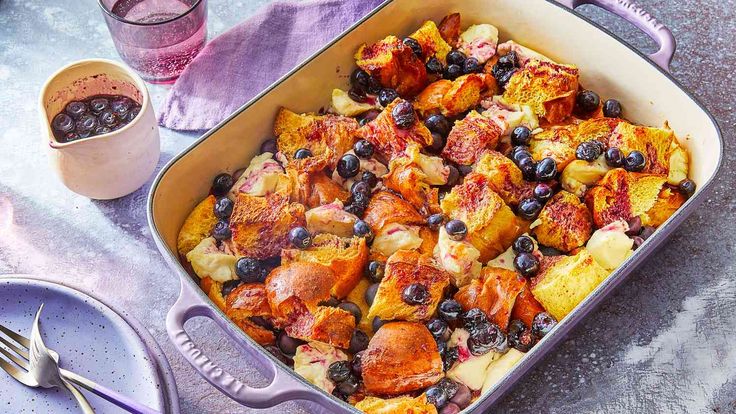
(312, 361)
(509, 116)
(370, 164)
(209, 261)
(260, 178)
(345, 106)
(394, 237)
(500, 367)
(331, 218)
(580, 175)
(523, 53)
(458, 258)
(610, 245)
(469, 369)
(479, 41)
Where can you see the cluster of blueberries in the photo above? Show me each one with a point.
(96, 115)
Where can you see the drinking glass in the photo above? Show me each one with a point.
(157, 38)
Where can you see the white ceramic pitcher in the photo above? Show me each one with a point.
(104, 166)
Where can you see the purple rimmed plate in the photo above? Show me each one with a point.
(94, 341)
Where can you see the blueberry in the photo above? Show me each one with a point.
(453, 175)
(339, 371)
(360, 190)
(121, 105)
(456, 57)
(287, 344)
(451, 355)
(687, 187)
(614, 157)
(456, 229)
(435, 221)
(434, 66)
(100, 130)
(473, 319)
(377, 323)
(352, 308)
(98, 105)
(527, 264)
(451, 387)
(453, 71)
(436, 396)
(70, 136)
(528, 168)
(374, 270)
(634, 226)
(249, 270)
(362, 229)
(356, 209)
(370, 293)
(107, 118)
(416, 294)
(269, 145)
(348, 166)
(363, 149)
(471, 65)
(302, 153)
(414, 45)
(523, 244)
(229, 286)
(438, 123)
(588, 151)
(587, 102)
(357, 95)
(222, 231)
(369, 178)
(647, 232)
(638, 241)
(368, 116)
(276, 352)
(360, 79)
(223, 208)
(449, 310)
(543, 192)
(519, 337)
(484, 338)
(76, 109)
(441, 347)
(519, 153)
(437, 145)
(63, 123)
(86, 123)
(134, 111)
(349, 386)
(374, 86)
(505, 68)
(542, 323)
(450, 408)
(300, 238)
(358, 342)
(222, 184)
(357, 364)
(546, 169)
(386, 96)
(439, 329)
(462, 397)
(635, 161)
(403, 115)
(612, 109)
(465, 169)
(521, 135)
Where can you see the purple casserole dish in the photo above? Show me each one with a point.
(607, 65)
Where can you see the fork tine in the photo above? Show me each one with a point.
(14, 348)
(20, 362)
(21, 376)
(16, 337)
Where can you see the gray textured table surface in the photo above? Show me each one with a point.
(663, 343)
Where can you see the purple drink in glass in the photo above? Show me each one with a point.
(157, 38)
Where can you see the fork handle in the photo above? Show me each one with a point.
(114, 397)
(81, 400)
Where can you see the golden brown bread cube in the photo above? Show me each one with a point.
(450, 28)
(470, 137)
(654, 143)
(504, 177)
(213, 289)
(296, 288)
(494, 293)
(258, 333)
(327, 136)
(246, 301)
(549, 88)
(558, 143)
(431, 41)
(526, 307)
(386, 207)
(394, 65)
(313, 189)
(407, 180)
(401, 357)
(465, 93)
(403, 405)
(260, 225)
(599, 129)
(564, 223)
(429, 101)
(492, 226)
(325, 324)
(622, 195)
(345, 256)
(404, 268)
(197, 226)
(388, 139)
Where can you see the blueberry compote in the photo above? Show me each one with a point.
(92, 116)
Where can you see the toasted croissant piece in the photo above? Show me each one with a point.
(247, 300)
(622, 195)
(258, 333)
(388, 139)
(345, 256)
(599, 129)
(654, 143)
(564, 223)
(385, 208)
(526, 307)
(327, 136)
(558, 143)
(326, 324)
(260, 225)
(401, 357)
(450, 28)
(197, 226)
(494, 293)
(411, 175)
(404, 405)
(296, 288)
(504, 177)
(492, 226)
(429, 101)
(549, 88)
(465, 93)
(314, 189)
(394, 65)
(431, 41)
(470, 137)
(213, 289)
(405, 268)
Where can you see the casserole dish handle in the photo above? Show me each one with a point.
(282, 387)
(641, 19)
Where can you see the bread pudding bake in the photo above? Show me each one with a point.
(405, 248)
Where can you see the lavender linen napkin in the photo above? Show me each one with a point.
(237, 65)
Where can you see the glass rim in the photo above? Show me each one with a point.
(123, 20)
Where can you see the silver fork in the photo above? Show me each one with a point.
(40, 368)
(112, 396)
